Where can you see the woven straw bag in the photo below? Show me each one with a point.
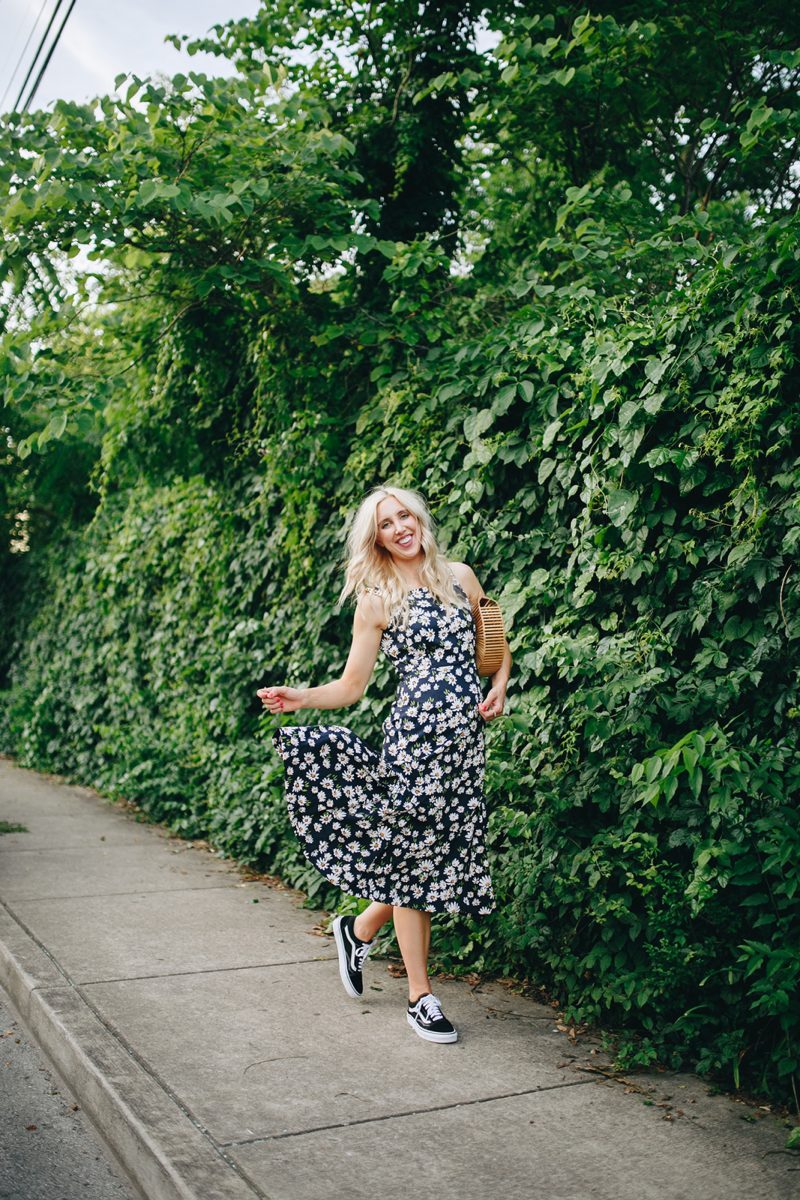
(490, 636)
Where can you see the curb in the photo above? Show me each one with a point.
(166, 1154)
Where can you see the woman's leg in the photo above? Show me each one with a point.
(413, 929)
(372, 919)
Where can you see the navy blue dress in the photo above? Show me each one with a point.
(405, 826)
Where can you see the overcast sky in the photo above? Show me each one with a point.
(103, 38)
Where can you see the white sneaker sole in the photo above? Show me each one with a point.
(429, 1035)
(341, 950)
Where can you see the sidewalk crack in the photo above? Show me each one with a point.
(294, 962)
(411, 1112)
(214, 887)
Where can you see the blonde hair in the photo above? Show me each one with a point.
(370, 566)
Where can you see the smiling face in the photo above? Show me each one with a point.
(398, 530)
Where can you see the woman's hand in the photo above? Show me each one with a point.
(281, 699)
(493, 704)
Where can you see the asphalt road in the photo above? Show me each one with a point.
(48, 1148)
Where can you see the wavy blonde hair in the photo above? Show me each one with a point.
(368, 565)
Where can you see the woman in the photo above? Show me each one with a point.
(404, 828)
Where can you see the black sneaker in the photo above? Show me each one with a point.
(352, 954)
(427, 1019)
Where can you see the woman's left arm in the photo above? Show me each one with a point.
(492, 706)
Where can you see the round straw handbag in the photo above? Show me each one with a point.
(490, 636)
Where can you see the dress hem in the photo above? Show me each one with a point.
(443, 907)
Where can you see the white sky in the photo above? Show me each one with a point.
(104, 38)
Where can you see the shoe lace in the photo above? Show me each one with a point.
(432, 1008)
(360, 953)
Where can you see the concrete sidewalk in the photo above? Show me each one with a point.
(199, 1019)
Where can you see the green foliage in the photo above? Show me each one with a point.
(12, 827)
(577, 335)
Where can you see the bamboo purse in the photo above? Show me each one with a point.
(490, 636)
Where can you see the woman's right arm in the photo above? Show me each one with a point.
(368, 626)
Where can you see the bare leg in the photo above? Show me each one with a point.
(372, 919)
(413, 929)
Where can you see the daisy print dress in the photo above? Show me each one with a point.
(405, 826)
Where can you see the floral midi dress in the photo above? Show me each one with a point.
(405, 826)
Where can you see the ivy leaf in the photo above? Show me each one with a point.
(653, 403)
(477, 422)
(621, 504)
(550, 433)
(740, 553)
(655, 368)
(504, 399)
(546, 468)
(627, 412)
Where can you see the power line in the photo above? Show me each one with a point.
(23, 52)
(46, 62)
(39, 50)
(13, 32)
